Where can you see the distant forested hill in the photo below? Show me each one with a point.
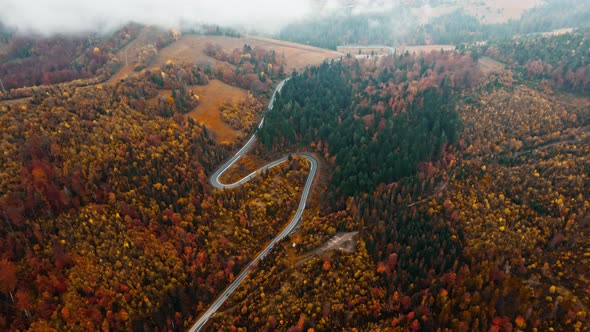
(562, 61)
(341, 29)
(459, 27)
(403, 26)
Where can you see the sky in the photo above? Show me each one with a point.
(70, 16)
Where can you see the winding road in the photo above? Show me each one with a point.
(286, 231)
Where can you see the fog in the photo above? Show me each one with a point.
(70, 16)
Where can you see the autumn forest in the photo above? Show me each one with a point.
(461, 176)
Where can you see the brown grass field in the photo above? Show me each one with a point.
(212, 96)
(190, 48)
(298, 56)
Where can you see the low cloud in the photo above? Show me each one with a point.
(71, 16)
(357, 6)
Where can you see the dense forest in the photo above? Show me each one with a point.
(374, 135)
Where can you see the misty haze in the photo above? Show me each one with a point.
(316, 165)
(70, 16)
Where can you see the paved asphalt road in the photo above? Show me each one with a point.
(290, 227)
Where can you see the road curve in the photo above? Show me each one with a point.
(286, 231)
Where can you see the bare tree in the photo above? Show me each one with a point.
(2, 86)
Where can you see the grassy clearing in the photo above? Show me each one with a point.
(212, 97)
(190, 48)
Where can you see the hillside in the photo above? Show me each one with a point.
(431, 22)
(110, 221)
(191, 48)
(150, 47)
(459, 178)
(111, 176)
(469, 190)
